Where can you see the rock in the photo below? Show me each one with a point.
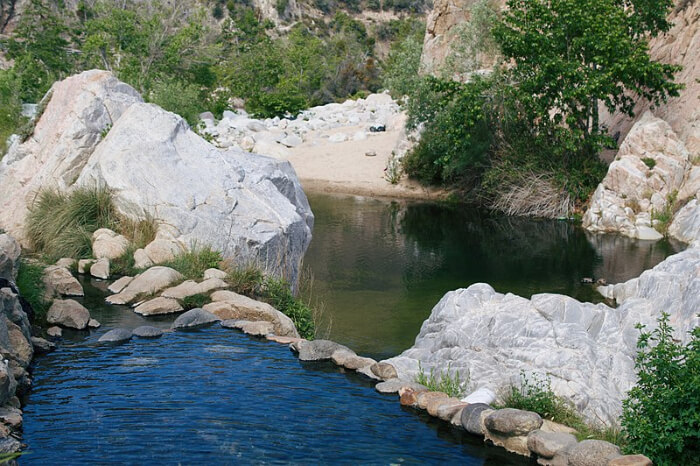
(120, 284)
(11, 417)
(282, 340)
(59, 281)
(146, 331)
(108, 245)
(9, 445)
(446, 409)
(620, 200)
(481, 395)
(247, 143)
(158, 306)
(472, 417)
(190, 288)
(511, 422)
(631, 460)
(141, 259)
(292, 140)
(42, 346)
(686, 223)
(150, 282)
(54, 332)
(548, 444)
(409, 396)
(384, 371)
(100, 269)
(160, 251)
(367, 373)
(68, 313)
(117, 335)
(338, 137)
(317, 350)
(592, 453)
(92, 323)
(84, 265)
(259, 328)
(230, 305)
(358, 362)
(79, 109)
(66, 263)
(195, 318)
(423, 398)
(215, 273)
(394, 385)
(341, 355)
(155, 163)
(586, 354)
(9, 257)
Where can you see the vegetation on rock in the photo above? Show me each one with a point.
(31, 286)
(447, 382)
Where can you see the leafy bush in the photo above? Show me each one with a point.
(649, 162)
(661, 415)
(61, 224)
(246, 281)
(192, 264)
(31, 286)
(278, 294)
(446, 382)
(179, 97)
(11, 114)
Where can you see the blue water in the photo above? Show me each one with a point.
(216, 396)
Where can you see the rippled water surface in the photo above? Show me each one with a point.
(379, 267)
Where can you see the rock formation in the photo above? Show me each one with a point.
(96, 131)
(586, 350)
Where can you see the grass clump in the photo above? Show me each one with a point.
(61, 224)
(649, 162)
(31, 287)
(446, 382)
(195, 301)
(192, 264)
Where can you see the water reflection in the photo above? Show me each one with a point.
(380, 266)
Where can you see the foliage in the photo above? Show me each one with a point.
(661, 415)
(11, 113)
(193, 263)
(178, 97)
(401, 67)
(195, 301)
(246, 281)
(649, 162)
(572, 54)
(125, 264)
(61, 224)
(31, 286)
(446, 382)
(278, 294)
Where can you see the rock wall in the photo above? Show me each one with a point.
(586, 350)
(15, 347)
(96, 131)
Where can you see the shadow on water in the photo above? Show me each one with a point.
(380, 266)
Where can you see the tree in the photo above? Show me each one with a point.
(570, 55)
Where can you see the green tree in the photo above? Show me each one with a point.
(571, 55)
(661, 415)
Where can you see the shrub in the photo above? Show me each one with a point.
(649, 162)
(278, 294)
(178, 97)
(246, 281)
(196, 300)
(661, 415)
(192, 264)
(31, 286)
(61, 224)
(445, 382)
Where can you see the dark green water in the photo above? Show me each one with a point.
(380, 266)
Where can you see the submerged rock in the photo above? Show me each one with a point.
(117, 335)
(146, 331)
(42, 346)
(195, 318)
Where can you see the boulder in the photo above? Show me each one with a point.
(84, 265)
(162, 250)
(60, 282)
(394, 385)
(93, 323)
(141, 259)
(356, 362)
(158, 306)
(508, 428)
(586, 351)
(119, 284)
(481, 395)
(316, 350)
(424, 398)
(340, 356)
(686, 223)
(66, 263)
(472, 417)
(117, 335)
(9, 257)
(549, 444)
(190, 288)
(631, 460)
(146, 331)
(258, 329)
(79, 110)
(148, 283)
(215, 273)
(195, 318)
(108, 244)
(592, 453)
(409, 397)
(100, 269)
(446, 408)
(230, 305)
(155, 163)
(384, 371)
(54, 332)
(68, 313)
(282, 340)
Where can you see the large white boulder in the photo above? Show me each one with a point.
(647, 174)
(249, 207)
(586, 350)
(80, 110)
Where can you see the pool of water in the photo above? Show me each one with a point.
(380, 266)
(216, 396)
